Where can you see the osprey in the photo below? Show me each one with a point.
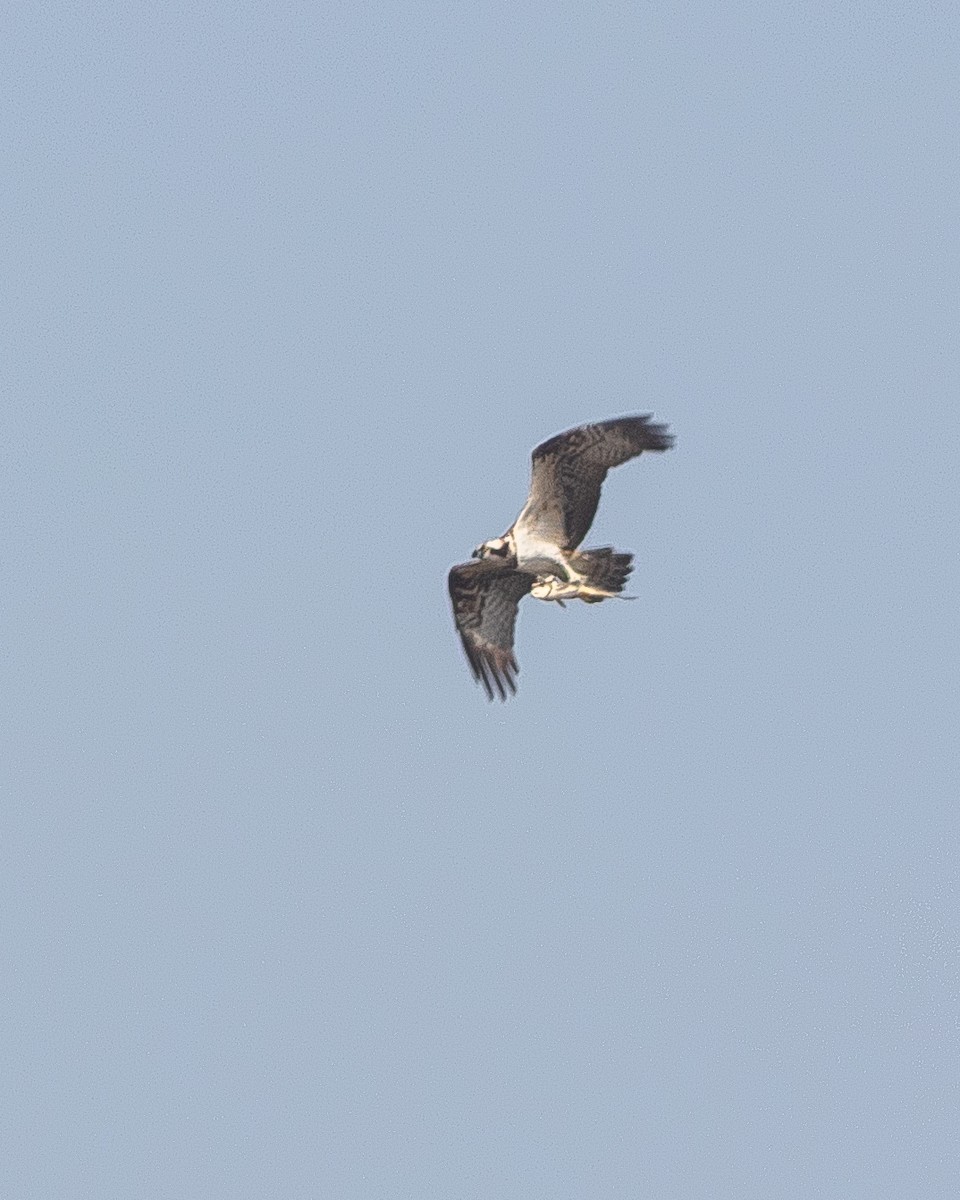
(538, 553)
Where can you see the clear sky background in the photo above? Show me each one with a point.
(287, 909)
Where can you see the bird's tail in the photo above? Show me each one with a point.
(604, 569)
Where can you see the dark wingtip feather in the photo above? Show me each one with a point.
(659, 438)
(503, 667)
(495, 669)
(641, 433)
(646, 433)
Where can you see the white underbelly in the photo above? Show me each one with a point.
(536, 554)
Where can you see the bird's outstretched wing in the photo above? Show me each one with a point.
(485, 596)
(569, 470)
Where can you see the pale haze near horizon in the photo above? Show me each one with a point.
(288, 908)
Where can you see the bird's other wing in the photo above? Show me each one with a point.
(569, 470)
(485, 596)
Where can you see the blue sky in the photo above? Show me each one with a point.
(289, 909)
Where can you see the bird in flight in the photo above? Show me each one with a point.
(538, 554)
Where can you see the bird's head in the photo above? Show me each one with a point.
(494, 548)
